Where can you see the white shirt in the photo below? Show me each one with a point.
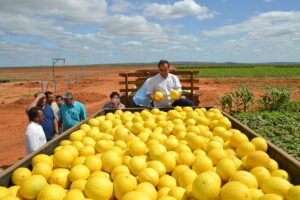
(35, 137)
(55, 109)
(165, 85)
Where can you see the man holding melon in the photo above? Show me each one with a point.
(165, 88)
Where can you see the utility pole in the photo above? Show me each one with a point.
(54, 61)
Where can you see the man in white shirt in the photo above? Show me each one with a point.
(35, 136)
(165, 82)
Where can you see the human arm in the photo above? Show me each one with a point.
(150, 90)
(56, 127)
(83, 114)
(60, 118)
(35, 102)
(177, 84)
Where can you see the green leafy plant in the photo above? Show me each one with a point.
(239, 100)
(280, 127)
(226, 102)
(275, 99)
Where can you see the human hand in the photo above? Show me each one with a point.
(40, 96)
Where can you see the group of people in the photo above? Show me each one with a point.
(164, 82)
(49, 115)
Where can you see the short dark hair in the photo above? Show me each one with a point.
(114, 94)
(68, 95)
(33, 113)
(58, 97)
(163, 62)
(47, 93)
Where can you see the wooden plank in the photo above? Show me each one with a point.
(192, 85)
(146, 74)
(183, 88)
(142, 80)
(126, 89)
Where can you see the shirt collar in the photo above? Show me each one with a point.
(164, 77)
(36, 124)
(71, 106)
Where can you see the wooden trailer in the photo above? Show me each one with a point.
(285, 161)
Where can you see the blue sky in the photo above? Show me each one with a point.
(32, 32)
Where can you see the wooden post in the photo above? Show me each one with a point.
(126, 90)
(55, 86)
(43, 86)
(192, 86)
(69, 84)
(82, 73)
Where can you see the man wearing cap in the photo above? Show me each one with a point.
(49, 124)
(71, 112)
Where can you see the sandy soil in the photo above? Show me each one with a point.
(93, 92)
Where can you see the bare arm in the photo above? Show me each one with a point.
(34, 102)
(150, 90)
(150, 96)
(55, 126)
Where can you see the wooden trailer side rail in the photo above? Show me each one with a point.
(285, 161)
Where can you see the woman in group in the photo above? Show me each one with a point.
(114, 101)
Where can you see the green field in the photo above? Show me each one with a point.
(227, 71)
(282, 128)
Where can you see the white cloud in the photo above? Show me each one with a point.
(269, 24)
(178, 47)
(24, 25)
(178, 10)
(121, 6)
(274, 36)
(70, 10)
(257, 50)
(198, 49)
(132, 43)
(122, 25)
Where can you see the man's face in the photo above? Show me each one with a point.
(40, 117)
(59, 101)
(163, 70)
(50, 98)
(68, 101)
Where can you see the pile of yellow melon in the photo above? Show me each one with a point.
(175, 155)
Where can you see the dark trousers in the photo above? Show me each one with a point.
(134, 105)
(182, 103)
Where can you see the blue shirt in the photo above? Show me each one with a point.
(140, 98)
(48, 122)
(72, 115)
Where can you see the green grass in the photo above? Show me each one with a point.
(14, 79)
(282, 128)
(226, 71)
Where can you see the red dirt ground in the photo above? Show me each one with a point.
(93, 92)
